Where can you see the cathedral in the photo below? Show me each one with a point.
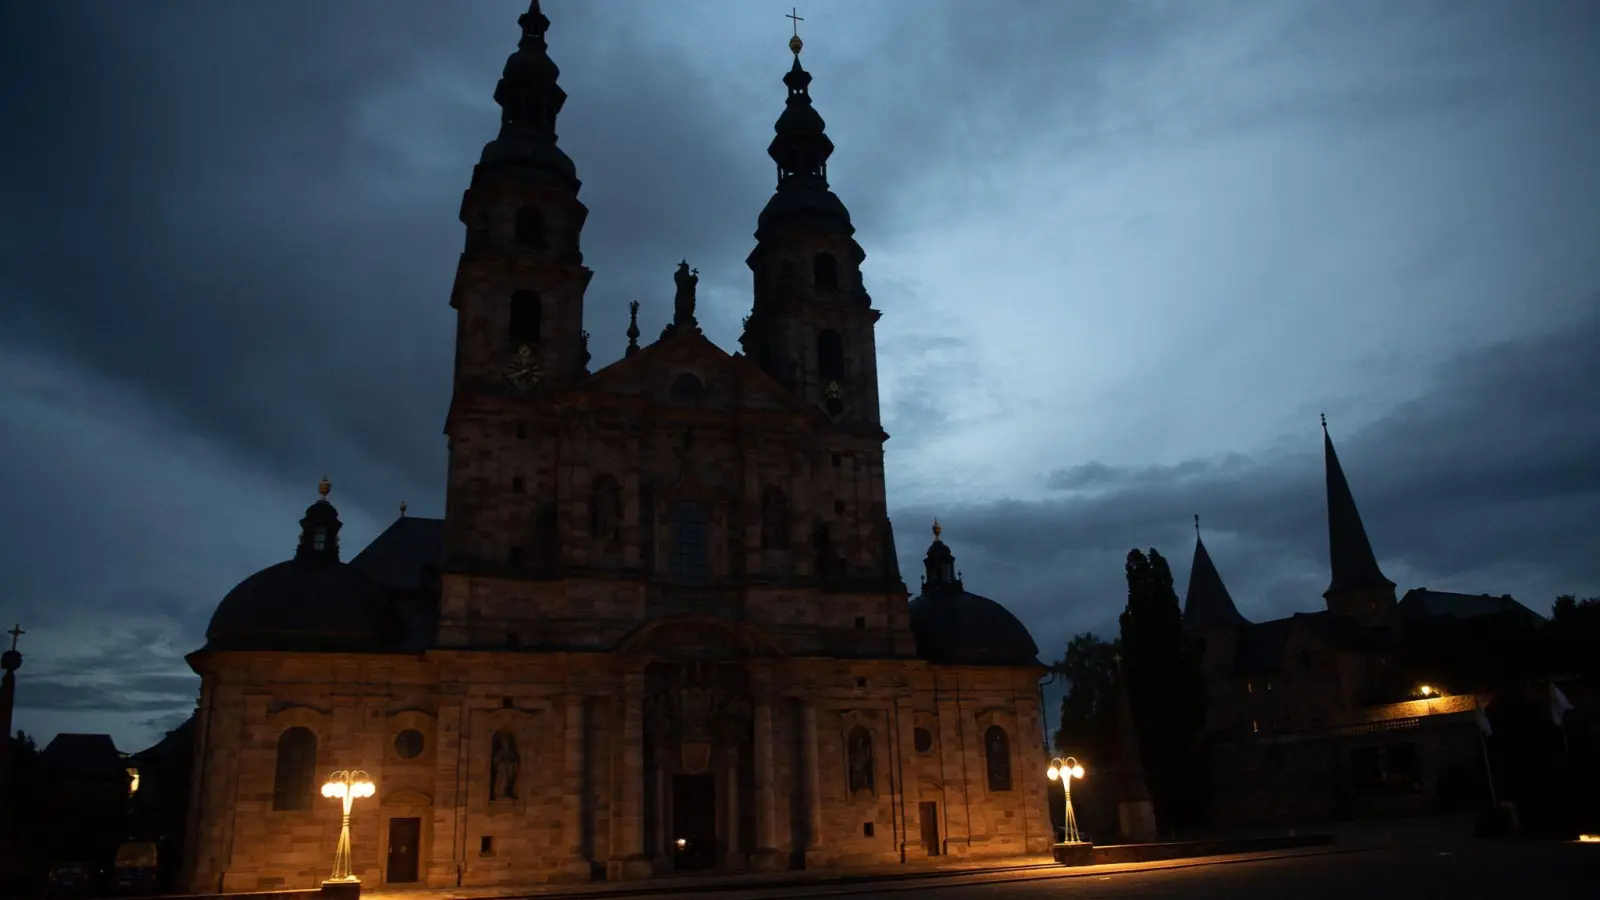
(661, 626)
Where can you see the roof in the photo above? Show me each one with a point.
(1261, 645)
(955, 627)
(1207, 603)
(308, 605)
(1349, 552)
(84, 756)
(400, 558)
(1420, 603)
(177, 744)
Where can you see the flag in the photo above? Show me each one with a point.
(1482, 717)
(1559, 704)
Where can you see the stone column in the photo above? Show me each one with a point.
(627, 841)
(765, 802)
(812, 781)
(576, 866)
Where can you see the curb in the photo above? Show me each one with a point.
(844, 886)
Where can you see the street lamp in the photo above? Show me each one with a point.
(1066, 770)
(346, 786)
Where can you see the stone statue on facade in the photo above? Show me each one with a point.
(859, 745)
(504, 763)
(683, 303)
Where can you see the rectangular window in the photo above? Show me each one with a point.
(691, 555)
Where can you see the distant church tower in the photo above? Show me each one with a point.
(811, 326)
(1358, 589)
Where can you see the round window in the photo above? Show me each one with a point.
(922, 739)
(408, 743)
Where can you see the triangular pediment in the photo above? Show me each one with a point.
(726, 381)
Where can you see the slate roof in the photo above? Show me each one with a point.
(177, 744)
(1420, 603)
(398, 558)
(1261, 645)
(84, 756)
(1349, 552)
(1207, 603)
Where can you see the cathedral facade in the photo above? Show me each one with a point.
(661, 626)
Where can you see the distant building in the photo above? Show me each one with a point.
(661, 625)
(1319, 715)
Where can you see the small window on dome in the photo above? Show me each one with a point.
(319, 539)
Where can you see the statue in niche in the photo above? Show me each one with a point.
(503, 765)
(859, 745)
(683, 303)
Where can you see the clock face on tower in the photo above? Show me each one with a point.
(523, 370)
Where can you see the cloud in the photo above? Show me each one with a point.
(1125, 254)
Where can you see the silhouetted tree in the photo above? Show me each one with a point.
(1166, 692)
(1089, 709)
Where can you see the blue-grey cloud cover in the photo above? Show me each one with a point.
(1126, 253)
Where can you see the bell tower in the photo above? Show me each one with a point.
(520, 282)
(518, 297)
(811, 325)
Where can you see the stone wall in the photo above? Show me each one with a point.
(578, 801)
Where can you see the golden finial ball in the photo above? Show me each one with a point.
(936, 529)
(795, 44)
(324, 486)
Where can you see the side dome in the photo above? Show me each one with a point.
(955, 627)
(310, 603)
(296, 605)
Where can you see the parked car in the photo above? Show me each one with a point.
(135, 870)
(71, 879)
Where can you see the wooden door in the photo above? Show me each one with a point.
(929, 812)
(404, 837)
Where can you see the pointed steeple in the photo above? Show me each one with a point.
(530, 99)
(319, 530)
(1207, 603)
(801, 150)
(1349, 552)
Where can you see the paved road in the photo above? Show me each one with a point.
(1476, 870)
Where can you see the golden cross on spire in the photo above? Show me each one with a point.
(16, 632)
(794, 42)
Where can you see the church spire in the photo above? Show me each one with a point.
(1207, 603)
(801, 149)
(1349, 552)
(530, 99)
(939, 565)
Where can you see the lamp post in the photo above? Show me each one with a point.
(1066, 770)
(346, 786)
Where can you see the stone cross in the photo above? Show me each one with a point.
(797, 20)
(15, 632)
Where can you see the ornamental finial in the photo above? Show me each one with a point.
(936, 528)
(324, 486)
(794, 42)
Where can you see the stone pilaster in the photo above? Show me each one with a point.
(576, 866)
(627, 827)
(810, 773)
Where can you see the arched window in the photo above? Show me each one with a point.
(691, 551)
(530, 228)
(525, 310)
(830, 356)
(687, 388)
(825, 272)
(605, 508)
(859, 747)
(774, 519)
(997, 750)
(296, 772)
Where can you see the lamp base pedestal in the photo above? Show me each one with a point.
(1074, 853)
(340, 890)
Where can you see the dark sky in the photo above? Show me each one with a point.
(1126, 253)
